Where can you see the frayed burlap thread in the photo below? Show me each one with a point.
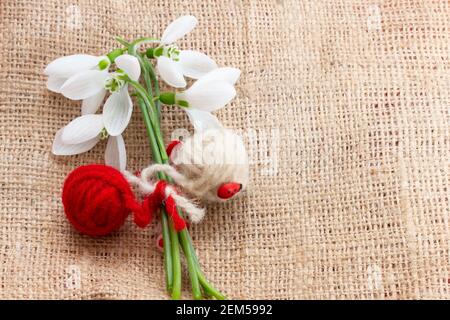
(344, 108)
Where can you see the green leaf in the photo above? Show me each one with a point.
(122, 42)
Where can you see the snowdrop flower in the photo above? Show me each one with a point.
(92, 85)
(83, 133)
(172, 64)
(208, 94)
(211, 92)
(61, 69)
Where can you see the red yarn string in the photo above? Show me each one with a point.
(151, 204)
(154, 200)
(171, 208)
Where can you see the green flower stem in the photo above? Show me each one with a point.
(154, 122)
(176, 264)
(209, 289)
(145, 66)
(171, 238)
(169, 260)
(132, 49)
(140, 41)
(167, 250)
(148, 70)
(174, 249)
(171, 246)
(112, 55)
(154, 79)
(122, 42)
(192, 266)
(188, 250)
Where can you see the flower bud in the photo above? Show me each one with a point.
(150, 53)
(104, 64)
(183, 103)
(167, 98)
(157, 52)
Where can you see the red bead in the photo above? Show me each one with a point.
(227, 190)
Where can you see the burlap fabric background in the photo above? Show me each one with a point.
(344, 106)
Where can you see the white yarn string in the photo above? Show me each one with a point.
(150, 171)
(145, 185)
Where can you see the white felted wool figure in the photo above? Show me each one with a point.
(213, 161)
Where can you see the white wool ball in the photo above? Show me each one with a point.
(210, 159)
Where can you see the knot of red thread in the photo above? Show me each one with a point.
(97, 199)
(171, 209)
(157, 198)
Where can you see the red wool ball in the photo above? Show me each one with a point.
(97, 199)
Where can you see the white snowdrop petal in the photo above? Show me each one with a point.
(171, 72)
(117, 112)
(196, 64)
(55, 83)
(91, 104)
(129, 64)
(208, 96)
(84, 84)
(60, 148)
(203, 120)
(115, 153)
(68, 66)
(82, 129)
(227, 74)
(178, 28)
